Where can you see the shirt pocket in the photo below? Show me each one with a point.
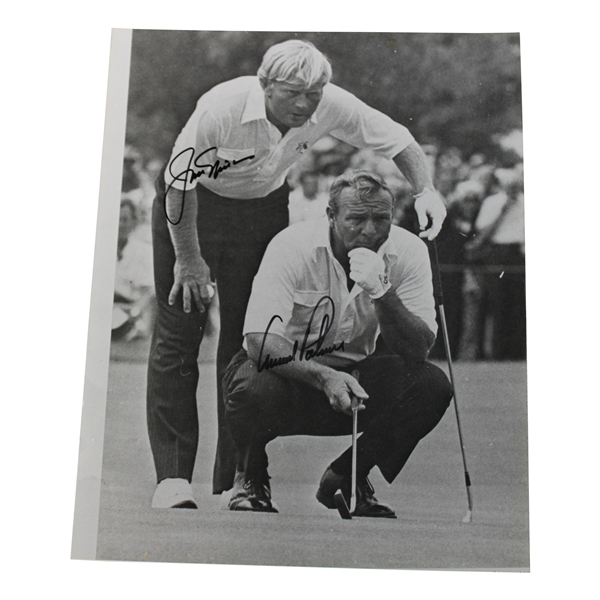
(312, 317)
(235, 156)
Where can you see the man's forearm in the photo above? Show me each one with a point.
(182, 212)
(405, 334)
(414, 166)
(272, 351)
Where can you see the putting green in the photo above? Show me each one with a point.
(428, 496)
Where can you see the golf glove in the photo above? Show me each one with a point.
(367, 269)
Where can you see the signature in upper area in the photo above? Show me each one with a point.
(305, 351)
(189, 174)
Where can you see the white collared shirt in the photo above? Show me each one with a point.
(300, 278)
(511, 230)
(231, 120)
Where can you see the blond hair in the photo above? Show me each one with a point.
(293, 61)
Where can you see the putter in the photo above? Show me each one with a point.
(437, 288)
(354, 432)
(340, 502)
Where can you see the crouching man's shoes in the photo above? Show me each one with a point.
(330, 483)
(174, 493)
(366, 503)
(252, 494)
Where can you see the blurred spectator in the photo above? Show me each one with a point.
(499, 245)
(308, 200)
(138, 186)
(481, 172)
(431, 152)
(329, 157)
(450, 170)
(458, 229)
(131, 180)
(134, 284)
(367, 160)
(404, 214)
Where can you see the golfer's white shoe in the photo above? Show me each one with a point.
(174, 493)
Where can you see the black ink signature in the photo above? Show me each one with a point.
(307, 351)
(214, 171)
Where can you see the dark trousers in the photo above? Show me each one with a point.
(233, 237)
(503, 300)
(405, 403)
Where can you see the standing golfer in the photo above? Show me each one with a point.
(324, 292)
(223, 198)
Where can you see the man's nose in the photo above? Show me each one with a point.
(369, 227)
(302, 101)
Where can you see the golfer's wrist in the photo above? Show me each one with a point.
(322, 377)
(381, 295)
(382, 287)
(426, 189)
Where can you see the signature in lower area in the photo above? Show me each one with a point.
(189, 174)
(304, 351)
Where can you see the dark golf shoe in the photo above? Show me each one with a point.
(330, 483)
(366, 503)
(252, 494)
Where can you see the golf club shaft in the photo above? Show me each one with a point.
(437, 285)
(355, 374)
(354, 431)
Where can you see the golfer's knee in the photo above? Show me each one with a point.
(241, 391)
(438, 386)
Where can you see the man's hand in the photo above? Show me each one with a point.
(367, 270)
(192, 277)
(429, 205)
(340, 388)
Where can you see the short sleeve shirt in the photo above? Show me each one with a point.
(230, 147)
(300, 293)
(511, 230)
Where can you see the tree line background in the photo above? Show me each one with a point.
(450, 90)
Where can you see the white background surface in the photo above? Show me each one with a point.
(53, 89)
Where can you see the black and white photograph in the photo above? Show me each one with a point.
(318, 335)
(277, 319)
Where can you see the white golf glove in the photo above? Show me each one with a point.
(368, 270)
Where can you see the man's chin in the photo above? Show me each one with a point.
(296, 121)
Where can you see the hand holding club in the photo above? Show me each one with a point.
(430, 211)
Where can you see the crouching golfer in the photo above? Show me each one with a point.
(323, 293)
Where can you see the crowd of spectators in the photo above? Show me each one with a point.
(481, 246)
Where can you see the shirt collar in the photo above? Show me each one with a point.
(387, 249)
(255, 104)
(255, 109)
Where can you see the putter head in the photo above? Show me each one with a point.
(340, 504)
(468, 518)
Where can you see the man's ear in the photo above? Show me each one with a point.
(330, 214)
(267, 88)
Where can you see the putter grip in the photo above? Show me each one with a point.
(355, 401)
(435, 273)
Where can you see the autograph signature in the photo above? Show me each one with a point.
(210, 170)
(306, 351)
